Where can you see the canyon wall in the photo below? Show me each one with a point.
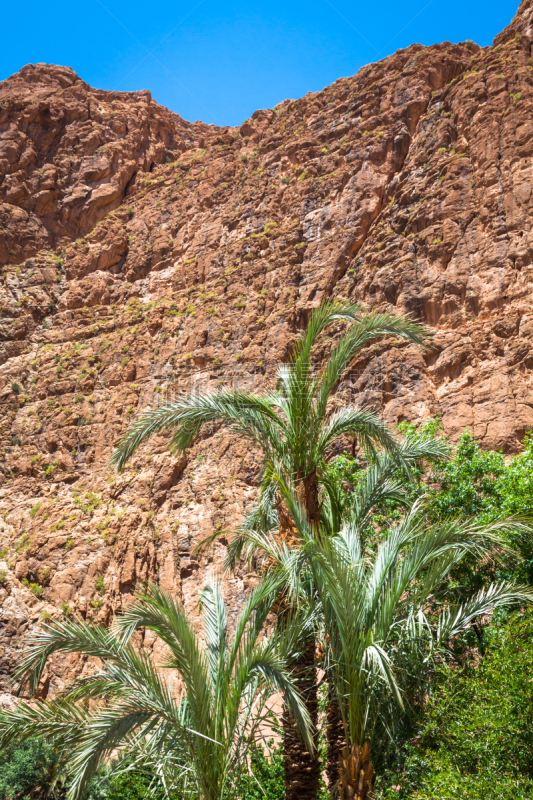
(143, 255)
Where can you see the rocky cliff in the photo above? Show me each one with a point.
(142, 254)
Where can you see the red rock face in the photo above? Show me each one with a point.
(140, 251)
(68, 153)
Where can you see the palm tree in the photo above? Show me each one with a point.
(294, 428)
(196, 733)
(384, 479)
(291, 425)
(386, 612)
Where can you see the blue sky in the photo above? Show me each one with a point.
(219, 61)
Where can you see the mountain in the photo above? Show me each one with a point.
(143, 255)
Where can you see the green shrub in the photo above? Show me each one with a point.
(266, 779)
(23, 543)
(26, 767)
(34, 769)
(36, 763)
(34, 588)
(477, 738)
(135, 786)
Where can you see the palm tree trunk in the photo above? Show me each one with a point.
(302, 769)
(311, 499)
(335, 742)
(356, 774)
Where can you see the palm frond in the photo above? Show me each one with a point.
(215, 627)
(364, 424)
(58, 720)
(365, 330)
(246, 414)
(320, 318)
(455, 619)
(68, 636)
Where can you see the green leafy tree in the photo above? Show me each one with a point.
(476, 740)
(486, 484)
(194, 734)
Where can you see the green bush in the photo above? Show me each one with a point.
(266, 779)
(34, 769)
(482, 484)
(476, 741)
(473, 483)
(132, 786)
(27, 766)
